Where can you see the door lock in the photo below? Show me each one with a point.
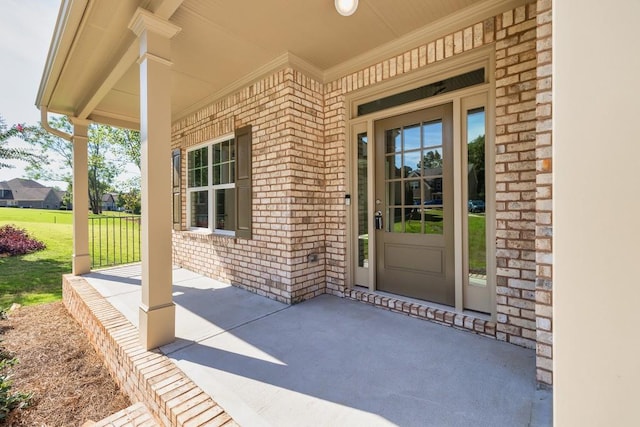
(378, 220)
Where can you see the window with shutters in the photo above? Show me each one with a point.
(214, 185)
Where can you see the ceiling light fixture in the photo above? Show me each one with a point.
(346, 7)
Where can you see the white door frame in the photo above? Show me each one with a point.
(355, 125)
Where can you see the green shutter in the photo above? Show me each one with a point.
(244, 193)
(176, 176)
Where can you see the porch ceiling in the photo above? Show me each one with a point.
(91, 70)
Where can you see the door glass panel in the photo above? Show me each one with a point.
(393, 167)
(433, 220)
(432, 134)
(476, 197)
(394, 193)
(412, 220)
(432, 162)
(363, 204)
(411, 136)
(393, 140)
(414, 178)
(411, 163)
(394, 220)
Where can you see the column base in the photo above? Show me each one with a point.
(157, 326)
(81, 264)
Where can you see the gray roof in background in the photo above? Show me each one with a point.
(28, 190)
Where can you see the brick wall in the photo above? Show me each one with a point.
(516, 174)
(544, 229)
(286, 112)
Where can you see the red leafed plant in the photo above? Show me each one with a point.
(16, 241)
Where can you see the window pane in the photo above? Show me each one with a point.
(394, 220)
(412, 137)
(216, 154)
(224, 175)
(433, 220)
(476, 220)
(432, 162)
(411, 163)
(393, 167)
(190, 162)
(393, 141)
(225, 209)
(412, 223)
(412, 189)
(432, 134)
(468, 79)
(433, 191)
(199, 209)
(363, 206)
(394, 193)
(225, 151)
(216, 175)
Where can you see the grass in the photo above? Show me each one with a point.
(36, 278)
(477, 244)
(114, 240)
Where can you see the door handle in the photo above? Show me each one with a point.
(378, 220)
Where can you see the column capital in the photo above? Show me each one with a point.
(76, 121)
(144, 20)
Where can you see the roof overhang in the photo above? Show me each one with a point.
(91, 70)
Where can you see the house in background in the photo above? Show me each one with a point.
(26, 193)
(289, 128)
(110, 202)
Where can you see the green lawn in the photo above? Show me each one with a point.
(36, 277)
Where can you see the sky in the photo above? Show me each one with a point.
(26, 27)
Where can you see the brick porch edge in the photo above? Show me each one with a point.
(145, 376)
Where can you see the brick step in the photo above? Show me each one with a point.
(136, 415)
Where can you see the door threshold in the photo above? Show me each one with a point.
(478, 323)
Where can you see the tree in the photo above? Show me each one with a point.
(130, 198)
(475, 151)
(431, 160)
(11, 153)
(108, 150)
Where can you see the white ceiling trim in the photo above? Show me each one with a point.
(70, 20)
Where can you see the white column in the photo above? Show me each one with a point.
(596, 345)
(81, 260)
(157, 310)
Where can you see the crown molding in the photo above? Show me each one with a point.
(144, 20)
(285, 60)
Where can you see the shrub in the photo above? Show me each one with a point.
(16, 241)
(10, 400)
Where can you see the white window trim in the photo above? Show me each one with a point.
(210, 188)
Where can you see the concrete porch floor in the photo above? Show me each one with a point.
(333, 361)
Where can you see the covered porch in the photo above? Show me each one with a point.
(332, 361)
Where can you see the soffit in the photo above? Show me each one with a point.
(222, 41)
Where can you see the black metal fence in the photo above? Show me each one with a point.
(114, 240)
